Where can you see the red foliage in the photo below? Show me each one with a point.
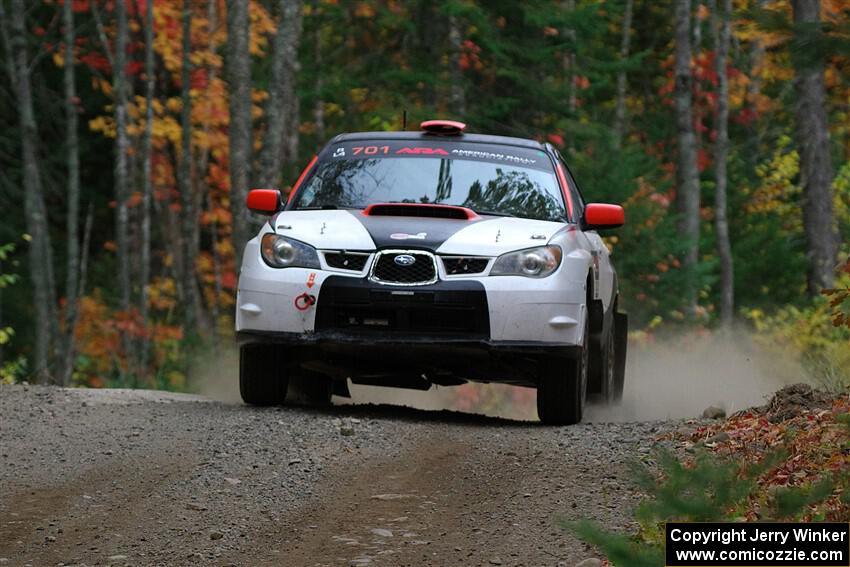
(199, 79)
(556, 139)
(96, 61)
(814, 439)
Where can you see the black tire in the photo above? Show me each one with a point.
(608, 368)
(263, 376)
(562, 387)
(311, 389)
(621, 341)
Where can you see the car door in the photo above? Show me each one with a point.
(603, 270)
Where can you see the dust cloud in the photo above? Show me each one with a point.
(680, 377)
(665, 379)
(216, 375)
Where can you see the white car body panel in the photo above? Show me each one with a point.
(325, 230)
(497, 236)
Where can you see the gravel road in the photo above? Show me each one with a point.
(136, 478)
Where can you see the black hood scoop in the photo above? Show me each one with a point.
(420, 210)
(414, 225)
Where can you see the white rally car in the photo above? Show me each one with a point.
(406, 259)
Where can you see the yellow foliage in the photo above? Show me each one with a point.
(104, 124)
(777, 192)
(809, 336)
(262, 27)
(162, 294)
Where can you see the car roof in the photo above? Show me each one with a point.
(419, 136)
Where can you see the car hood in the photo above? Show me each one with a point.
(351, 230)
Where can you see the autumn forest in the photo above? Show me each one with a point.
(131, 131)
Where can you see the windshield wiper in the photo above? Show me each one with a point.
(323, 208)
(492, 213)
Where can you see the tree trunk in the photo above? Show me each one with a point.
(119, 87)
(620, 111)
(319, 107)
(569, 61)
(122, 143)
(815, 161)
(187, 200)
(204, 193)
(722, 38)
(40, 253)
(281, 122)
(147, 182)
(239, 92)
(73, 201)
(687, 170)
(457, 96)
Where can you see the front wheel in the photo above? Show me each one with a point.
(562, 387)
(263, 376)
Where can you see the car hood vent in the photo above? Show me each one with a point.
(419, 210)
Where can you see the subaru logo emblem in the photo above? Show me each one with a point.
(404, 260)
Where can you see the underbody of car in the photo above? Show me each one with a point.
(406, 259)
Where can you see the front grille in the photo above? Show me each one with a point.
(346, 260)
(356, 307)
(459, 265)
(404, 267)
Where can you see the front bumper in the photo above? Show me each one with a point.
(393, 360)
(487, 310)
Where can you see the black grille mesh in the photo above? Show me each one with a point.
(420, 271)
(343, 261)
(455, 266)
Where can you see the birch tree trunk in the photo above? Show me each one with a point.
(686, 170)
(722, 39)
(187, 200)
(119, 74)
(620, 111)
(816, 169)
(239, 91)
(40, 254)
(73, 200)
(281, 121)
(147, 181)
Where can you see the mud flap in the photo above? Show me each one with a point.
(621, 340)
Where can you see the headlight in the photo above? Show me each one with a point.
(280, 252)
(532, 263)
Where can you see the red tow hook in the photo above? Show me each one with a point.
(304, 301)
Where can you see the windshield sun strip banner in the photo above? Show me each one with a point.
(491, 153)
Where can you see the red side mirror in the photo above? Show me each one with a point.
(600, 215)
(264, 201)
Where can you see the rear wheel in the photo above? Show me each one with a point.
(263, 376)
(607, 371)
(621, 340)
(562, 389)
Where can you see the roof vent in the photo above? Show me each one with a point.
(443, 127)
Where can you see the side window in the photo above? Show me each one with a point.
(575, 193)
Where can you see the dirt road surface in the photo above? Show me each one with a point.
(134, 478)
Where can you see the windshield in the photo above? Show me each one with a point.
(483, 186)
